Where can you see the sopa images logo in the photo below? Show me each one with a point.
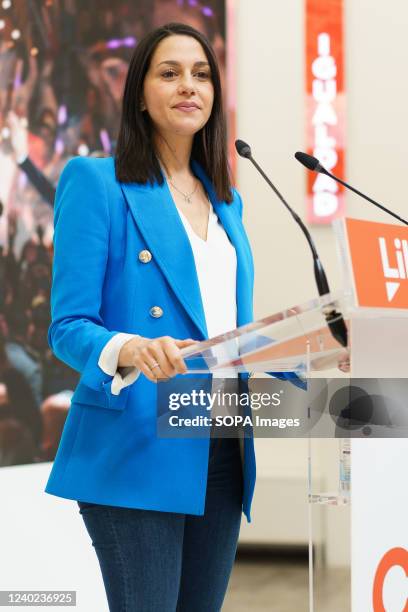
(394, 273)
(395, 557)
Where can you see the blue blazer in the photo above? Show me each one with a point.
(109, 452)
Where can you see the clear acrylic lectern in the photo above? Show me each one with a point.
(299, 340)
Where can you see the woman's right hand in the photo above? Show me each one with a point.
(158, 358)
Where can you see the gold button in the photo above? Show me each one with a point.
(145, 256)
(156, 312)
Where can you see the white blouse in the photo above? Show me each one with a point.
(216, 266)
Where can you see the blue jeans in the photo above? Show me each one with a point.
(155, 561)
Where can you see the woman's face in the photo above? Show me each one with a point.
(178, 92)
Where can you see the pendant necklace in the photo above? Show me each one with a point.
(186, 196)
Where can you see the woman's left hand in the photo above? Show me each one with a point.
(344, 362)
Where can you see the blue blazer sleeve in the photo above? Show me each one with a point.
(81, 241)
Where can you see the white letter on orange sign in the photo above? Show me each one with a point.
(327, 157)
(324, 91)
(324, 113)
(324, 67)
(325, 183)
(322, 138)
(324, 204)
(388, 271)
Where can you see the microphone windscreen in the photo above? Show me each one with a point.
(309, 161)
(243, 149)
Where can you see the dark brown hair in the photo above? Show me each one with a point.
(135, 157)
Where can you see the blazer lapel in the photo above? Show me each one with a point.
(157, 218)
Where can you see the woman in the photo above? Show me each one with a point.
(150, 255)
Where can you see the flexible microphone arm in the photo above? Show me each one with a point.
(244, 150)
(313, 164)
(334, 319)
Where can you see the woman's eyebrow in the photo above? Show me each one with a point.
(175, 63)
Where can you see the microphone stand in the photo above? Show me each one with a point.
(333, 318)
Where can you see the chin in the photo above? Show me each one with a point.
(187, 130)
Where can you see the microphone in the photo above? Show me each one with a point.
(334, 319)
(312, 163)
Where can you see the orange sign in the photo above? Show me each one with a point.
(325, 107)
(394, 557)
(379, 260)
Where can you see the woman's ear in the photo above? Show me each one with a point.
(142, 106)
